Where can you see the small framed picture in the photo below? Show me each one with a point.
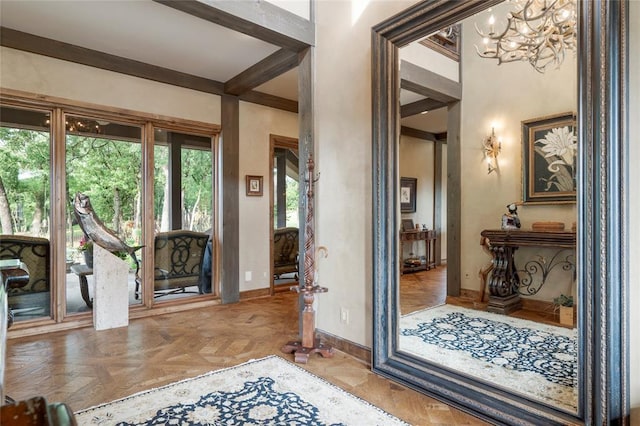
(408, 194)
(407, 225)
(254, 185)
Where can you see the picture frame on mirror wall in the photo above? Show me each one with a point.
(254, 185)
(407, 225)
(408, 194)
(549, 159)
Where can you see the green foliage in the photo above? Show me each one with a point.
(292, 202)
(105, 169)
(99, 168)
(563, 300)
(24, 155)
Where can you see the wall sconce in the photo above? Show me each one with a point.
(491, 147)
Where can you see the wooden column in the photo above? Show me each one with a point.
(230, 283)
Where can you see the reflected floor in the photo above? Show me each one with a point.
(495, 355)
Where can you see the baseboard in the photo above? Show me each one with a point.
(356, 350)
(253, 294)
(527, 304)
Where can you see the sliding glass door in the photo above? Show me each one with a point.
(103, 163)
(25, 196)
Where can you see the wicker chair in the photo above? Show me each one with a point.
(177, 262)
(28, 284)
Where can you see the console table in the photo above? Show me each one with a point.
(504, 283)
(429, 238)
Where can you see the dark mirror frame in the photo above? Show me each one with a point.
(602, 222)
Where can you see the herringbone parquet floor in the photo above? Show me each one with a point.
(84, 367)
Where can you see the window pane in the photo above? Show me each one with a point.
(183, 200)
(285, 183)
(25, 260)
(103, 162)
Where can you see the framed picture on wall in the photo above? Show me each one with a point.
(254, 185)
(549, 155)
(408, 194)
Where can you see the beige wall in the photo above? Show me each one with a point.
(503, 96)
(416, 161)
(343, 154)
(40, 74)
(634, 202)
(256, 123)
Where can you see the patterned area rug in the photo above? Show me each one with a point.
(268, 391)
(534, 359)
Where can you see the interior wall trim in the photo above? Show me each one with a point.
(356, 350)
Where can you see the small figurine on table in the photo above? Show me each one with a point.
(511, 220)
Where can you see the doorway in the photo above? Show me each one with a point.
(284, 212)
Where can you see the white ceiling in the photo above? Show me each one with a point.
(148, 32)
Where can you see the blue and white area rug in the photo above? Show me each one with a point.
(527, 357)
(268, 391)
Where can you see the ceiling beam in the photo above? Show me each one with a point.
(81, 55)
(269, 68)
(428, 83)
(68, 52)
(419, 134)
(420, 106)
(258, 19)
(270, 101)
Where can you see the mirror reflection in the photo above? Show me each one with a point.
(486, 192)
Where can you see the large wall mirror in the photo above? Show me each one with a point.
(477, 325)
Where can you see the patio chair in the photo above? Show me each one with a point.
(178, 259)
(285, 251)
(26, 267)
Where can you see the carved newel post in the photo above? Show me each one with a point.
(309, 344)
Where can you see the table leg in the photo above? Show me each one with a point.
(504, 282)
(84, 291)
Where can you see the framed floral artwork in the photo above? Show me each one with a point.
(550, 147)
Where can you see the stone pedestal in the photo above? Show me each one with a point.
(111, 293)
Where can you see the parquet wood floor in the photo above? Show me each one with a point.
(85, 367)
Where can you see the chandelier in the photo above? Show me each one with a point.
(80, 125)
(538, 31)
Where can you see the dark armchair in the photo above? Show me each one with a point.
(285, 251)
(27, 282)
(177, 261)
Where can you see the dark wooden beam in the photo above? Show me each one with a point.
(428, 83)
(419, 134)
(93, 58)
(420, 106)
(258, 19)
(442, 137)
(80, 55)
(269, 68)
(270, 101)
